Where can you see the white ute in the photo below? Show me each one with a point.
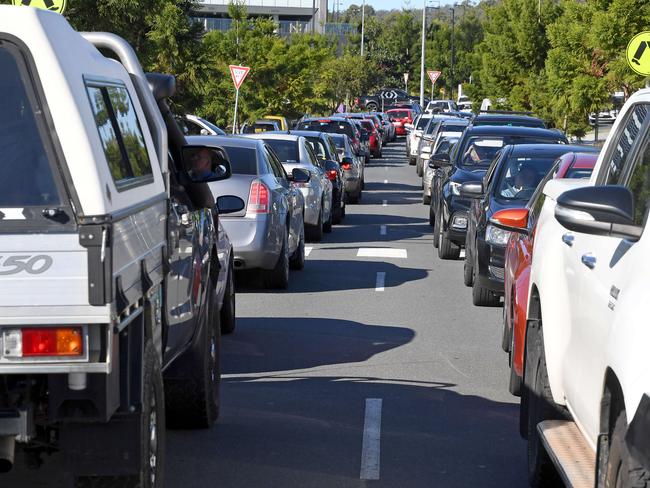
(110, 280)
(586, 400)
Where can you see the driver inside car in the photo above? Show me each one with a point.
(524, 180)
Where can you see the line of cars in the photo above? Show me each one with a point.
(555, 234)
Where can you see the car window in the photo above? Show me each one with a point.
(286, 150)
(614, 162)
(274, 162)
(579, 173)
(332, 148)
(639, 185)
(422, 122)
(243, 160)
(331, 126)
(121, 135)
(432, 127)
(27, 177)
(318, 146)
(191, 128)
(398, 114)
(312, 156)
(537, 200)
(520, 176)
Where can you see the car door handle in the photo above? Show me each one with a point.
(588, 260)
(568, 239)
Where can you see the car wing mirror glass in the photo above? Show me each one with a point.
(300, 175)
(204, 164)
(471, 189)
(229, 204)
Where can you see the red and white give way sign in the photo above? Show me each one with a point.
(434, 75)
(238, 74)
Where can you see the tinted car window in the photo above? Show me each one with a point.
(422, 123)
(577, 173)
(332, 126)
(520, 176)
(639, 185)
(398, 114)
(480, 151)
(189, 127)
(243, 160)
(27, 178)
(285, 150)
(615, 162)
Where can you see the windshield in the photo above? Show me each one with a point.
(331, 126)
(27, 178)
(398, 114)
(480, 151)
(243, 160)
(284, 149)
(520, 176)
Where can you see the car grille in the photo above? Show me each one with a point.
(497, 272)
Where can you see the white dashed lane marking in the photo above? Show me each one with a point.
(384, 203)
(381, 280)
(385, 181)
(381, 252)
(371, 445)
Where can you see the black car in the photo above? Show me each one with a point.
(505, 118)
(336, 125)
(469, 161)
(510, 182)
(326, 151)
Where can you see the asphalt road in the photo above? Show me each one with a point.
(340, 382)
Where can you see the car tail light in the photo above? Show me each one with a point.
(39, 342)
(346, 166)
(258, 198)
(331, 174)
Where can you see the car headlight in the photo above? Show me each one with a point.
(455, 188)
(496, 236)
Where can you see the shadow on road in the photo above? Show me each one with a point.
(335, 275)
(292, 343)
(306, 431)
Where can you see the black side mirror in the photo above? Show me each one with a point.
(472, 189)
(229, 204)
(440, 160)
(299, 175)
(204, 164)
(599, 210)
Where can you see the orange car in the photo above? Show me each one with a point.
(518, 258)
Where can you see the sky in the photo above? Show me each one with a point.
(392, 4)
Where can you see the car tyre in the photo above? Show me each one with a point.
(426, 200)
(446, 248)
(297, 261)
(432, 223)
(315, 232)
(540, 406)
(228, 320)
(418, 168)
(411, 161)
(327, 226)
(623, 470)
(468, 269)
(278, 277)
(194, 401)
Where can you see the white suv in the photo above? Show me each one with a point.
(585, 406)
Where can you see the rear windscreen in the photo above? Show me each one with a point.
(398, 114)
(422, 122)
(331, 126)
(27, 178)
(243, 160)
(285, 150)
(509, 122)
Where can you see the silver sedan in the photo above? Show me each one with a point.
(267, 229)
(296, 152)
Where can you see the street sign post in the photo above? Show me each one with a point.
(238, 74)
(433, 76)
(406, 82)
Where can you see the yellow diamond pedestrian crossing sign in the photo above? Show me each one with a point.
(57, 6)
(638, 53)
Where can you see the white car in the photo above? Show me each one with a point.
(443, 105)
(585, 404)
(419, 126)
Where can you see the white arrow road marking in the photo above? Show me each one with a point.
(382, 230)
(308, 250)
(385, 181)
(371, 447)
(381, 252)
(381, 279)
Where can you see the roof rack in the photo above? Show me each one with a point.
(506, 112)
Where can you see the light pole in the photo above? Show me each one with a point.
(424, 22)
(453, 54)
(363, 21)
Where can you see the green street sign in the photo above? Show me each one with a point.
(57, 6)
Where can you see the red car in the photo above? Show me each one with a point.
(399, 117)
(374, 138)
(518, 259)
